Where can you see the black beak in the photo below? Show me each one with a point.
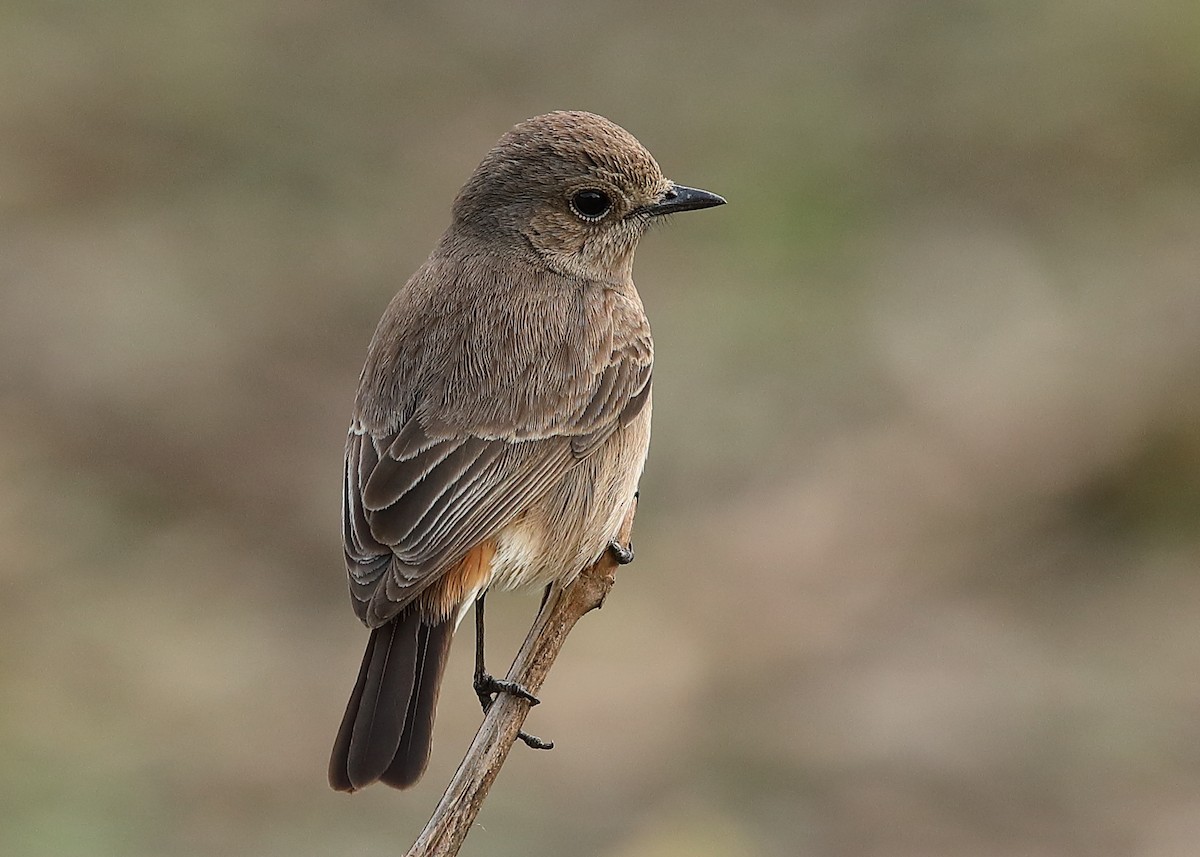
(679, 198)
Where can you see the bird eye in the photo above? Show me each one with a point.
(591, 204)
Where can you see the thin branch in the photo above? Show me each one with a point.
(456, 811)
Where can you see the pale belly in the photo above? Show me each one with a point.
(566, 531)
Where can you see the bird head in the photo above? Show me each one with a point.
(577, 190)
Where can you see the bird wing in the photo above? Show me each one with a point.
(419, 498)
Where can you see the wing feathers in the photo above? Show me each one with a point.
(394, 478)
(417, 500)
(394, 523)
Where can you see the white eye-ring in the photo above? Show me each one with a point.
(591, 204)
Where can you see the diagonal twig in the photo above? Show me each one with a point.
(456, 811)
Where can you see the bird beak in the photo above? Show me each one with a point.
(679, 198)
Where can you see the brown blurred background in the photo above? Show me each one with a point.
(918, 542)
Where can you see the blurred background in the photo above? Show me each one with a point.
(920, 531)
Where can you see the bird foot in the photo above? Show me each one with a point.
(533, 742)
(622, 554)
(486, 688)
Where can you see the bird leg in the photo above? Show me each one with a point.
(487, 685)
(623, 555)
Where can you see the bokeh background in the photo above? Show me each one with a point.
(918, 546)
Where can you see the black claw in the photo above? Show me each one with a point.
(486, 687)
(533, 742)
(623, 555)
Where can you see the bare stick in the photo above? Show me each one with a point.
(456, 811)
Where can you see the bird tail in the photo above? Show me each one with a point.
(387, 730)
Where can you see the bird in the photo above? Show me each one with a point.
(502, 417)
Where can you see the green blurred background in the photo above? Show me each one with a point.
(918, 542)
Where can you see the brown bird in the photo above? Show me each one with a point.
(502, 417)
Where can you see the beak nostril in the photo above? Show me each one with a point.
(679, 198)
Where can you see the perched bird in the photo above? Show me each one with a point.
(502, 417)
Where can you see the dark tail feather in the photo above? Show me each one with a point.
(413, 754)
(389, 718)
